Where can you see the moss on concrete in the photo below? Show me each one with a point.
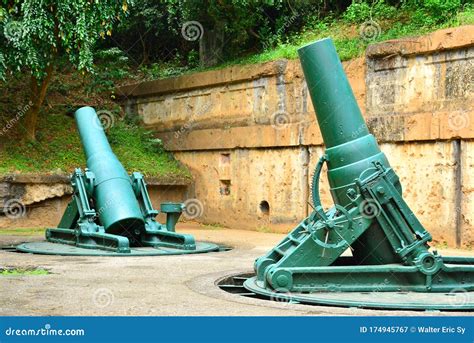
(22, 271)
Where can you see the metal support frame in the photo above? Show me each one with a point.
(309, 258)
(80, 226)
(389, 246)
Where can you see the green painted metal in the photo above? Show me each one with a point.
(110, 210)
(389, 246)
(48, 248)
(457, 300)
(112, 189)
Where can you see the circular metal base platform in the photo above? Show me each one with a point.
(458, 300)
(48, 248)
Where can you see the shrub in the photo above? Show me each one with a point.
(360, 11)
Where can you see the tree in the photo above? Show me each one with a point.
(35, 35)
(155, 30)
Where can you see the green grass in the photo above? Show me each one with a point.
(58, 150)
(213, 226)
(138, 151)
(22, 271)
(264, 229)
(444, 245)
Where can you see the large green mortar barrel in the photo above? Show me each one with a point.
(114, 198)
(350, 148)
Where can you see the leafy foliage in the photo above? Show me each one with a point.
(360, 11)
(111, 65)
(35, 32)
(153, 30)
(153, 40)
(68, 35)
(432, 12)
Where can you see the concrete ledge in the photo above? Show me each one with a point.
(451, 38)
(35, 178)
(389, 128)
(64, 178)
(168, 181)
(257, 136)
(197, 80)
(45, 197)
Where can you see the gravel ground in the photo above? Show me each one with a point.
(163, 286)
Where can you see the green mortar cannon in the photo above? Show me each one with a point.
(111, 210)
(390, 250)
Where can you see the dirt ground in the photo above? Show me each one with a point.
(158, 286)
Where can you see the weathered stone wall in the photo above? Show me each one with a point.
(249, 136)
(40, 200)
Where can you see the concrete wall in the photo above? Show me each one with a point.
(40, 200)
(249, 136)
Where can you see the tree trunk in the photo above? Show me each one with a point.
(145, 58)
(38, 93)
(211, 46)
